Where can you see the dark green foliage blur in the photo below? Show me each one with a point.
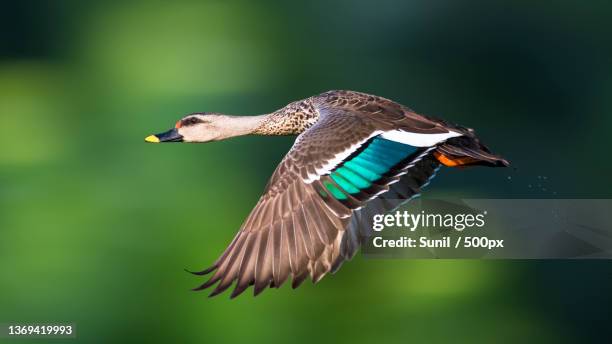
(96, 226)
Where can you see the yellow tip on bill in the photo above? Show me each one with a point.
(152, 139)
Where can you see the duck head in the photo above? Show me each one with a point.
(196, 127)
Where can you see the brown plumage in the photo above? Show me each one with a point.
(316, 209)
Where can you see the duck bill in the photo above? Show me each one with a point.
(171, 135)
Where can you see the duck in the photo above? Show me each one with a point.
(355, 155)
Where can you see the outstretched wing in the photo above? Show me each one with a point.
(345, 160)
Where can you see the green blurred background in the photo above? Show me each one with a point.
(96, 226)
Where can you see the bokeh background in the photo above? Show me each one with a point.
(96, 226)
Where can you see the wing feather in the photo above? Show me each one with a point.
(298, 228)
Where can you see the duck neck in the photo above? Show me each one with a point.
(293, 119)
(243, 125)
(273, 124)
(286, 121)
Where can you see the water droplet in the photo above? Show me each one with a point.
(539, 177)
(543, 189)
(529, 185)
(509, 178)
(545, 177)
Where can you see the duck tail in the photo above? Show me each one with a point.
(465, 151)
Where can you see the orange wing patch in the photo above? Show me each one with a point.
(453, 162)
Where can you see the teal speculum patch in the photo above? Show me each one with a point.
(361, 170)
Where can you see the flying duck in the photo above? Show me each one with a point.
(355, 155)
